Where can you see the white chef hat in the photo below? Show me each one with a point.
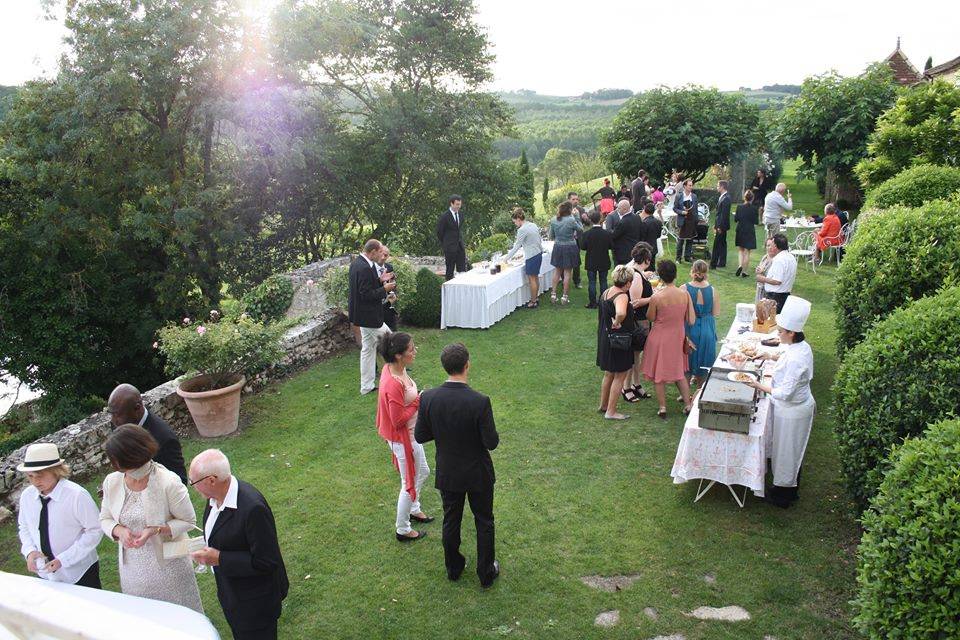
(794, 314)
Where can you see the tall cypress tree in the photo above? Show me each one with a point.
(546, 191)
(929, 64)
(525, 182)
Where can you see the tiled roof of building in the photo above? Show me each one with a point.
(903, 70)
(940, 69)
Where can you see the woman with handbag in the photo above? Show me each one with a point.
(664, 359)
(615, 340)
(641, 292)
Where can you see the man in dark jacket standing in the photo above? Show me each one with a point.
(719, 256)
(460, 420)
(125, 406)
(650, 230)
(368, 290)
(449, 235)
(597, 242)
(625, 235)
(638, 189)
(242, 547)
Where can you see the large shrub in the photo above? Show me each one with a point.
(909, 557)
(896, 256)
(902, 377)
(912, 187)
(335, 284)
(562, 195)
(423, 307)
(497, 243)
(269, 300)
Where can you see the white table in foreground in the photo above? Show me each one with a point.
(478, 299)
(722, 456)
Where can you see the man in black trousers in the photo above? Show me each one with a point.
(460, 420)
(125, 406)
(451, 238)
(625, 236)
(719, 256)
(242, 547)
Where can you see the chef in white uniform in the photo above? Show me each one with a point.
(792, 401)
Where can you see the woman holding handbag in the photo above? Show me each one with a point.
(615, 340)
(641, 291)
(664, 359)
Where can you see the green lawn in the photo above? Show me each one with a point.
(576, 495)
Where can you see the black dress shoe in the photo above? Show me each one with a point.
(496, 574)
(739, 271)
(420, 536)
(419, 519)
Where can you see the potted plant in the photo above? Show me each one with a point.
(218, 354)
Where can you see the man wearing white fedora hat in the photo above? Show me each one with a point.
(59, 524)
(792, 402)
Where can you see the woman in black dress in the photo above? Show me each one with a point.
(615, 315)
(747, 217)
(761, 186)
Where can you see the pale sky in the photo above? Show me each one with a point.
(566, 47)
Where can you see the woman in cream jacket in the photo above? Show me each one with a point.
(145, 505)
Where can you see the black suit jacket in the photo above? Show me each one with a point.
(460, 420)
(251, 577)
(597, 242)
(723, 213)
(639, 190)
(625, 235)
(650, 230)
(169, 454)
(449, 233)
(366, 295)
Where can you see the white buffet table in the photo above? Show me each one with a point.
(722, 456)
(478, 299)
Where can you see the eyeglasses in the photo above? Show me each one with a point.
(201, 479)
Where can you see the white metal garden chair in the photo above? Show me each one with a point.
(803, 248)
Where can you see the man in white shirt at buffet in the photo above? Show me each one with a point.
(778, 281)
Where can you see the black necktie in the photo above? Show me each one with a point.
(45, 529)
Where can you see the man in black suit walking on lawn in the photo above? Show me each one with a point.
(449, 235)
(719, 256)
(460, 420)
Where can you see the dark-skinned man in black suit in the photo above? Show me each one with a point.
(460, 420)
(450, 237)
(242, 547)
(125, 406)
(368, 290)
(719, 256)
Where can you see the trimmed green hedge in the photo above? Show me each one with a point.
(269, 300)
(909, 557)
(902, 377)
(912, 187)
(423, 308)
(896, 256)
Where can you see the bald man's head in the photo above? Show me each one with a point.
(125, 405)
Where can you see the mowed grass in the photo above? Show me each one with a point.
(576, 495)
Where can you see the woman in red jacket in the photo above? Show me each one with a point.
(829, 235)
(397, 406)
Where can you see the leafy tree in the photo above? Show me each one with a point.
(524, 183)
(828, 124)
(922, 127)
(687, 129)
(409, 75)
(558, 164)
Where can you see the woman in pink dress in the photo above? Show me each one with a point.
(663, 357)
(397, 408)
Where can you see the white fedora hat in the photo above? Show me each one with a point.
(41, 455)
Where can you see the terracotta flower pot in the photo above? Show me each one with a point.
(215, 412)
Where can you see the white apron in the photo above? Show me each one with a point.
(793, 408)
(791, 431)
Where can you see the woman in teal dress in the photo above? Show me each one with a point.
(703, 332)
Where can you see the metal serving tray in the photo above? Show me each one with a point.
(726, 405)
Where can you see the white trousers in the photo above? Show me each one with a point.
(368, 356)
(406, 505)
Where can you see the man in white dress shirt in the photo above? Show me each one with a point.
(59, 524)
(775, 207)
(778, 281)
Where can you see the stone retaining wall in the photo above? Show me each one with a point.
(81, 444)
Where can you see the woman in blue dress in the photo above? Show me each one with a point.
(703, 332)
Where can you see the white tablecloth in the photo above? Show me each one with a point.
(723, 456)
(477, 299)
